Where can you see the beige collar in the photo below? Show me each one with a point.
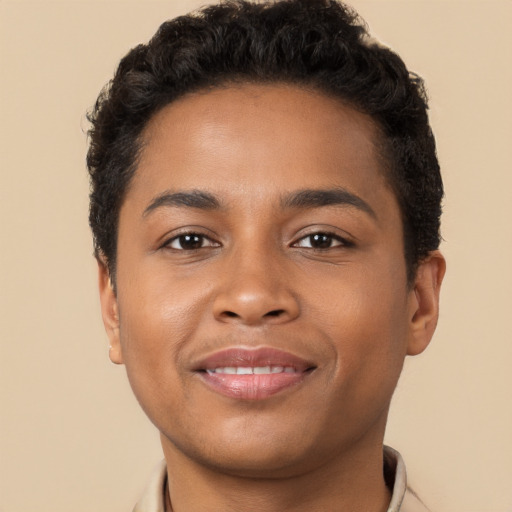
(403, 498)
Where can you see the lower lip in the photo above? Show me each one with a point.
(252, 387)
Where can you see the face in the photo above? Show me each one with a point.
(262, 307)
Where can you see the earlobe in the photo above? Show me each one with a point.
(424, 302)
(109, 312)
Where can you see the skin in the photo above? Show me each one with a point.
(258, 279)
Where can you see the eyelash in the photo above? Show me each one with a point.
(200, 239)
(183, 236)
(332, 237)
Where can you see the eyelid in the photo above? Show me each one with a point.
(189, 230)
(346, 238)
(204, 238)
(341, 241)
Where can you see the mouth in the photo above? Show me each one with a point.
(253, 374)
(251, 370)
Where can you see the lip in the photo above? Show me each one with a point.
(253, 386)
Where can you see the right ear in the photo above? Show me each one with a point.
(109, 312)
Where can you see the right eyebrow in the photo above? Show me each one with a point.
(192, 199)
(317, 198)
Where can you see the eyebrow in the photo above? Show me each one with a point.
(317, 198)
(307, 198)
(193, 199)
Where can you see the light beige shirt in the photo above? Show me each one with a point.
(403, 498)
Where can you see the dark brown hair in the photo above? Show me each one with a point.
(321, 44)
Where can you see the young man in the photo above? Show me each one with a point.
(265, 207)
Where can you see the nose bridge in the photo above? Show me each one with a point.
(255, 288)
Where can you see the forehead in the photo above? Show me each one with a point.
(260, 141)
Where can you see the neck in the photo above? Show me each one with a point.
(352, 481)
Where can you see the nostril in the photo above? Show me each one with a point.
(275, 312)
(253, 317)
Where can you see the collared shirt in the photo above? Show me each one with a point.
(403, 499)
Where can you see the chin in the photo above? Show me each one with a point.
(251, 454)
(262, 463)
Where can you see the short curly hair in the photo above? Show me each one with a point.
(321, 44)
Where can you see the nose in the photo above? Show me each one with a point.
(255, 290)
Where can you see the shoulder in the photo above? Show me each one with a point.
(403, 499)
(153, 499)
(412, 503)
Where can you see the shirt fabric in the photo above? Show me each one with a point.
(403, 499)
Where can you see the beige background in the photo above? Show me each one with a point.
(72, 438)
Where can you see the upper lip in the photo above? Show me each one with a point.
(252, 357)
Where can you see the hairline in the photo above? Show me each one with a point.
(380, 143)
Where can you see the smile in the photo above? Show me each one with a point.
(252, 374)
(255, 370)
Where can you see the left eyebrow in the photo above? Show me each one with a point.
(316, 198)
(190, 199)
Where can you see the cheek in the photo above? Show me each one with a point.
(157, 317)
(160, 307)
(366, 316)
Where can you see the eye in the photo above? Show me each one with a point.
(190, 242)
(322, 241)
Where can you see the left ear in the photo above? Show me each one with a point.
(424, 302)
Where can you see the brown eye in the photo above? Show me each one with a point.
(190, 242)
(321, 241)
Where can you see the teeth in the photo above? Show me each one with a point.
(261, 369)
(250, 370)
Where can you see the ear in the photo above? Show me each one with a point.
(109, 312)
(424, 302)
